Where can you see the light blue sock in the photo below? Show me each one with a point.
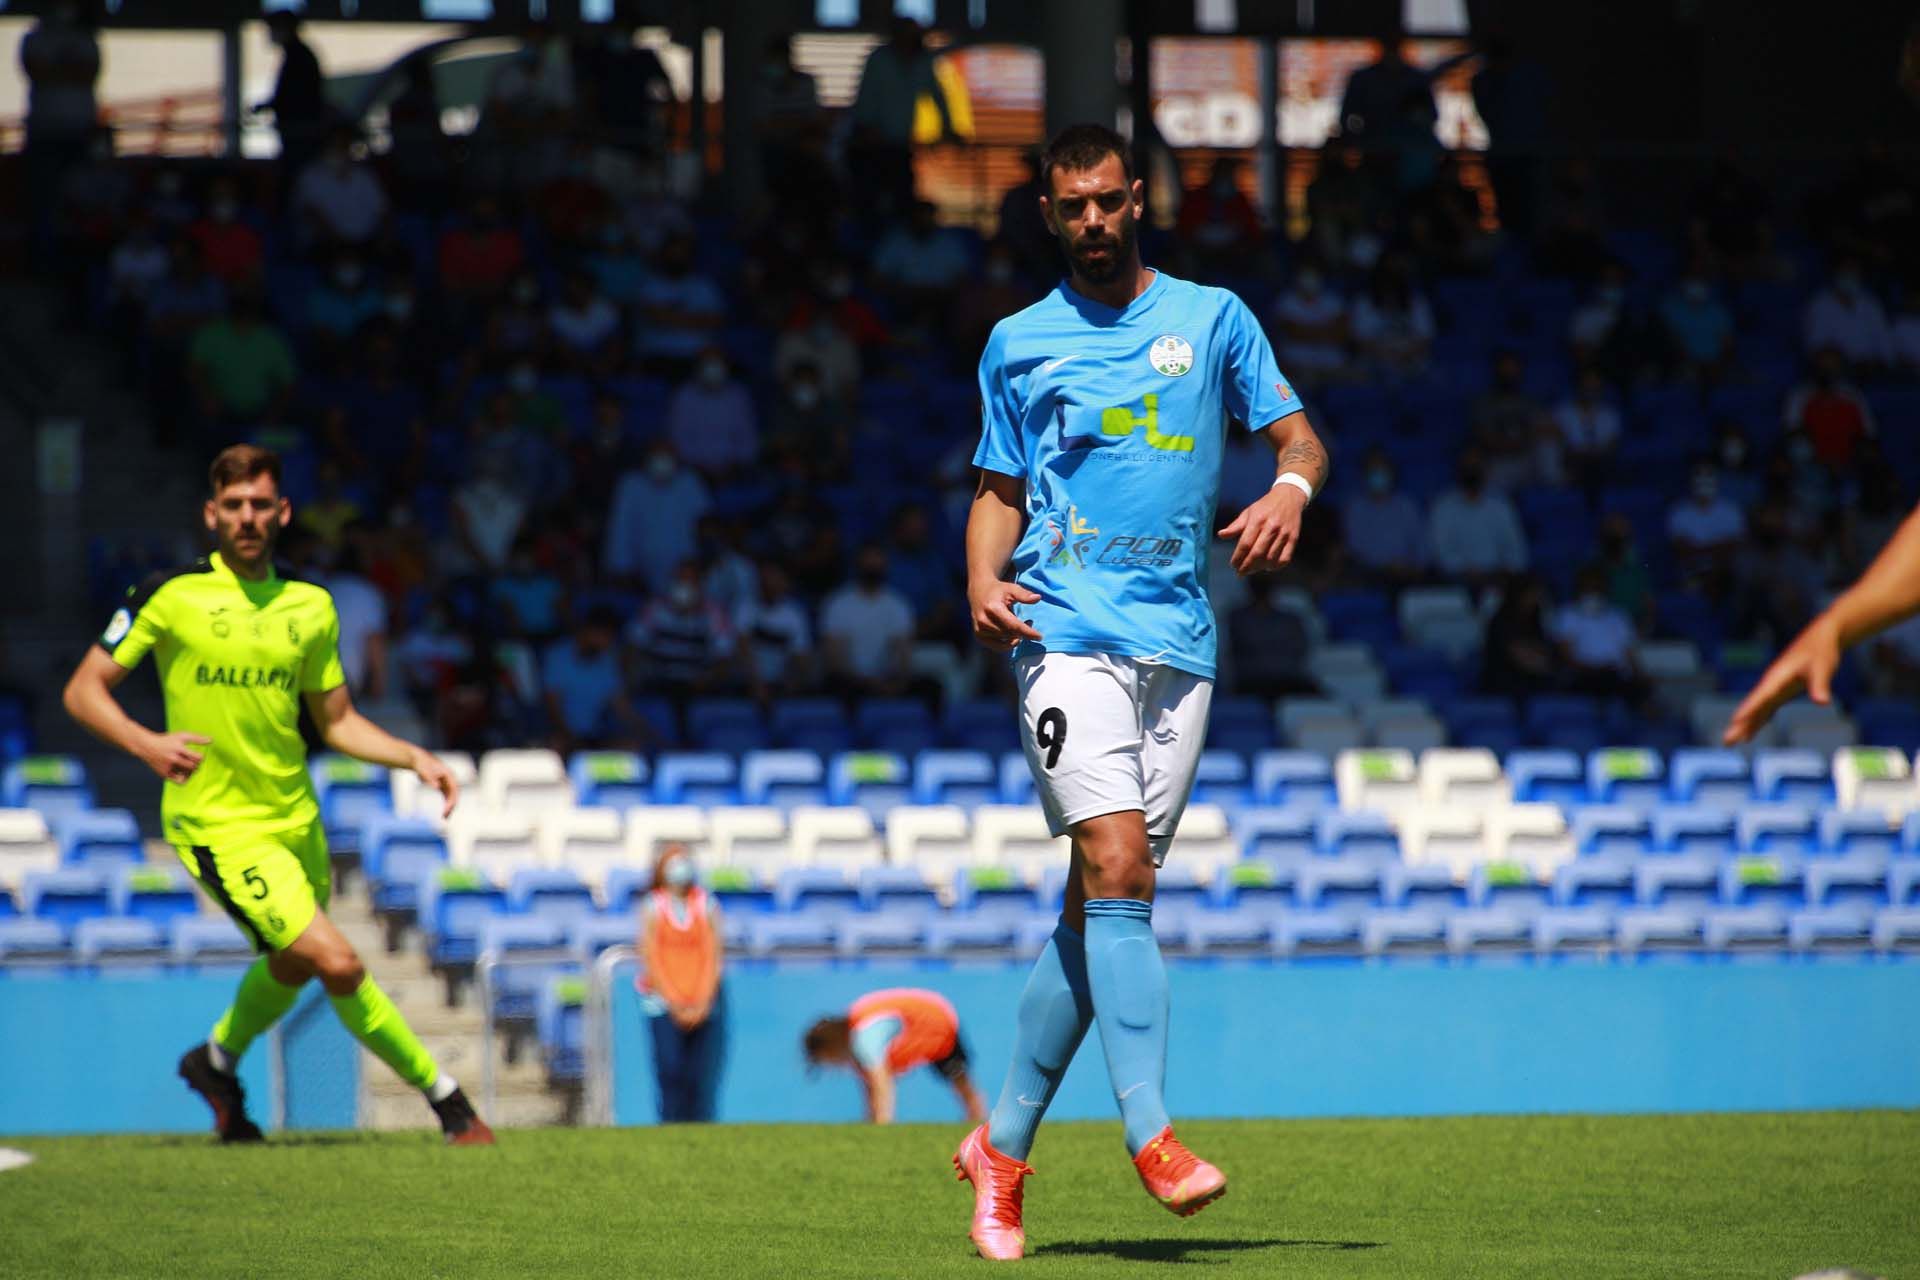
(1129, 983)
(1055, 1011)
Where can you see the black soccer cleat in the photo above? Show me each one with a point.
(223, 1093)
(460, 1123)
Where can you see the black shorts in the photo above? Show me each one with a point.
(954, 1065)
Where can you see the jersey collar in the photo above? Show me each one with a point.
(1139, 303)
(225, 570)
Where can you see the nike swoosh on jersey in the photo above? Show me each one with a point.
(1051, 365)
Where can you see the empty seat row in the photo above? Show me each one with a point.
(177, 940)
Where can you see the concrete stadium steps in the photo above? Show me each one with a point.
(453, 1034)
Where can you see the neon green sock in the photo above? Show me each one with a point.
(261, 1001)
(374, 1021)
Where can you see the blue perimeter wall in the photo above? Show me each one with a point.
(87, 1053)
(1251, 1038)
(96, 1053)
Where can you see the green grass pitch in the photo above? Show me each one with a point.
(1737, 1196)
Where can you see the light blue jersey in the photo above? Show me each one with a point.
(1117, 421)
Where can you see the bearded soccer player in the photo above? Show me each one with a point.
(1105, 408)
(241, 648)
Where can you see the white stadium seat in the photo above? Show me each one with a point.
(494, 844)
(524, 781)
(751, 837)
(650, 826)
(408, 798)
(1016, 837)
(1381, 779)
(25, 845)
(1532, 833)
(1451, 836)
(1203, 843)
(1878, 778)
(833, 836)
(587, 842)
(1463, 775)
(933, 838)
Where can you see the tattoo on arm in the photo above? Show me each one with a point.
(1306, 457)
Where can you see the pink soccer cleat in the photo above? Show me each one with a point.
(1176, 1177)
(997, 1195)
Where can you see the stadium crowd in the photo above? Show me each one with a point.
(558, 436)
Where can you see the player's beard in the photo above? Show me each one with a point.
(260, 554)
(1119, 248)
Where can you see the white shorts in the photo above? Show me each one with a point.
(1104, 734)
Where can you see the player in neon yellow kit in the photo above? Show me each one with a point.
(240, 650)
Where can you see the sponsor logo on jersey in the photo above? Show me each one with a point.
(293, 633)
(241, 677)
(1140, 551)
(1170, 354)
(117, 626)
(1070, 545)
(221, 627)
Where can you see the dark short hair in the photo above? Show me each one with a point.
(1082, 146)
(238, 462)
(829, 1035)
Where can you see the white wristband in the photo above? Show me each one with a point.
(1297, 480)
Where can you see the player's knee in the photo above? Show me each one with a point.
(340, 971)
(1116, 868)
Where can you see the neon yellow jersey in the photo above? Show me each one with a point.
(234, 657)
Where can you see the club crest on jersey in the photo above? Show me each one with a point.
(293, 633)
(117, 626)
(1170, 354)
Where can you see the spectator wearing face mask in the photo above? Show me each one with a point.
(678, 312)
(1624, 566)
(1217, 222)
(1595, 640)
(1386, 538)
(583, 324)
(680, 961)
(337, 200)
(1704, 529)
(242, 367)
(516, 326)
(342, 302)
(685, 640)
(775, 635)
(1846, 318)
(1739, 477)
(1509, 424)
(478, 256)
(823, 347)
(711, 419)
(488, 513)
(584, 690)
(867, 630)
(802, 415)
(1310, 326)
(528, 597)
(651, 526)
(729, 576)
(1776, 584)
(1699, 326)
(1474, 532)
(230, 249)
(1829, 410)
(1586, 431)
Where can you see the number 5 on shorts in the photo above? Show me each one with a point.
(256, 882)
(1050, 733)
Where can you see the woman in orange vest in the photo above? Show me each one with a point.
(889, 1033)
(679, 985)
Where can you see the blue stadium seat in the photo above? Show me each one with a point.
(1610, 829)
(455, 902)
(1240, 724)
(1844, 928)
(1853, 880)
(1490, 929)
(1710, 775)
(55, 785)
(1339, 833)
(738, 893)
(1362, 617)
(981, 724)
(877, 719)
(1897, 929)
(1337, 885)
(1391, 932)
(32, 940)
(1777, 828)
(118, 940)
(588, 936)
(1672, 928)
(791, 716)
(1763, 879)
(888, 934)
(397, 855)
(1551, 777)
(703, 778)
(1626, 775)
(497, 936)
(1220, 777)
(1599, 881)
(784, 778)
(66, 896)
(876, 781)
(715, 724)
(1420, 886)
(1903, 882)
(816, 891)
(792, 935)
(1240, 930)
(609, 779)
(1858, 831)
(1692, 829)
(1016, 779)
(1293, 779)
(1178, 887)
(896, 889)
(1283, 835)
(98, 837)
(1546, 711)
(152, 892)
(953, 936)
(1573, 929)
(1737, 928)
(1793, 777)
(1301, 933)
(1263, 884)
(965, 778)
(208, 940)
(1507, 887)
(559, 1023)
(1689, 880)
(350, 791)
(549, 893)
(622, 887)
